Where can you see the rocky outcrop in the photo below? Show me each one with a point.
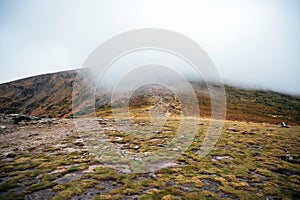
(25, 119)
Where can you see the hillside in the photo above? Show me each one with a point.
(52, 158)
(50, 95)
(46, 95)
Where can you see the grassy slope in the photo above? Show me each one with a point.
(46, 95)
(262, 106)
(262, 158)
(51, 95)
(242, 105)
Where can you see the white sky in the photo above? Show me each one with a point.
(255, 43)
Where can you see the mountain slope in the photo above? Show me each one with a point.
(50, 95)
(44, 95)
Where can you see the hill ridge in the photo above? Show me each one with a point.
(50, 95)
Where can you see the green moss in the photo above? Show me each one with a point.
(76, 187)
(13, 196)
(40, 186)
(251, 174)
(49, 177)
(108, 197)
(201, 195)
(73, 169)
(241, 194)
(172, 192)
(8, 185)
(104, 173)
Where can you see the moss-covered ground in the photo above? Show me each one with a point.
(249, 161)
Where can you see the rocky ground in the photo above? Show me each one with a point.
(51, 159)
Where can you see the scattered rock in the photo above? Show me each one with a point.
(285, 171)
(170, 183)
(118, 138)
(25, 119)
(283, 124)
(68, 178)
(218, 158)
(256, 154)
(70, 150)
(42, 194)
(258, 175)
(210, 185)
(176, 149)
(136, 159)
(246, 132)
(188, 187)
(2, 127)
(232, 129)
(32, 135)
(291, 159)
(7, 160)
(9, 154)
(153, 176)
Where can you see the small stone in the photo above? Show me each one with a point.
(2, 127)
(216, 158)
(146, 154)
(283, 124)
(9, 154)
(6, 160)
(137, 159)
(233, 130)
(169, 197)
(256, 155)
(136, 147)
(289, 157)
(153, 176)
(175, 149)
(40, 176)
(70, 150)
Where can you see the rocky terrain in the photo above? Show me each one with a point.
(45, 153)
(52, 161)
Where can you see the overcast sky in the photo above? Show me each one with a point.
(252, 42)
